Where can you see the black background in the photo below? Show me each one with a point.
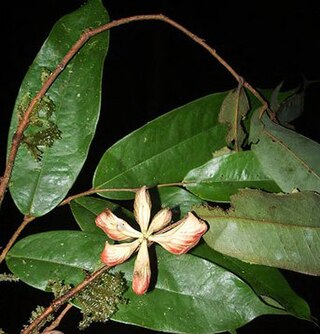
(151, 69)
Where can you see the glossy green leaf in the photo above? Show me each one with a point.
(290, 159)
(233, 109)
(55, 255)
(163, 150)
(86, 209)
(187, 287)
(267, 282)
(215, 299)
(278, 230)
(222, 176)
(38, 186)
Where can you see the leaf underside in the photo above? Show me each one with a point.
(278, 230)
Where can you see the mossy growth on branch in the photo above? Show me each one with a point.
(42, 130)
(99, 300)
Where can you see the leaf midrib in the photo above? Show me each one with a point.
(15, 256)
(81, 268)
(257, 222)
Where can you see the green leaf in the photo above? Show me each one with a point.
(291, 108)
(222, 176)
(178, 199)
(215, 299)
(290, 159)
(277, 230)
(86, 209)
(163, 150)
(233, 109)
(187, 287)
(55, 255)
(267, 282)
(72, 108)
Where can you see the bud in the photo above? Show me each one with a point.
(116, 228)
(142, 208)
(142, 271)
(160, 220)
(116, 254)
(183, 237)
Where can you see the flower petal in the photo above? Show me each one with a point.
(142, 271)
(114, 227)
(116, 254)
(183, 237)
(160, 220)
(142, 208)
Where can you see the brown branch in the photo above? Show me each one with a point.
(57, 321)
(94, 191)
(25, 222)
(58, 302)
(23, 124)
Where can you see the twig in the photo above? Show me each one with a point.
(25, 222)
(94, 191)
(58, 302)
(57, 321)
(23, 123)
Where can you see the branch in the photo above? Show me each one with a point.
(23, 123)
(58, 302)
(25, 222)
(57, 321)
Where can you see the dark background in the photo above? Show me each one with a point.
(151, 69)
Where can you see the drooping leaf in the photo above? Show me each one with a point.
(222, 176)
(163, 150)
(269, 96)
(277, 230)
(290, 108)
(267, 282)
(233, 109)
(274, 102)
(86, 209)
(65, 119)
(290, 159)
(187, 287)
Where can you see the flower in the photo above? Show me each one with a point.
(179, 239)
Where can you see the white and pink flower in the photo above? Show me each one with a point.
(179, 239)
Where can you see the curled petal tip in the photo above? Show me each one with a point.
(142, 271)
(183, 237)
(142, 208)
(116, 228)
(113, 255)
